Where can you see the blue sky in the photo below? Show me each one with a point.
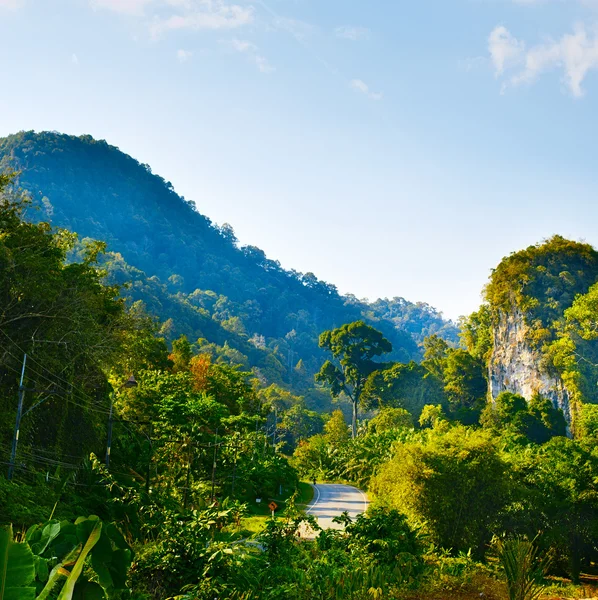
(393, 148)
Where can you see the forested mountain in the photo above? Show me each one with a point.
(192, 271)
(536, 331)
(180, 464)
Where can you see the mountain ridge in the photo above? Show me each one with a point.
(92, 188)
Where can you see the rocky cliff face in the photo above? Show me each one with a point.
(515, 366)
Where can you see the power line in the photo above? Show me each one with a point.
(62, 389)
(54, 375)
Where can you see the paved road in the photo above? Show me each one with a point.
(331, 500)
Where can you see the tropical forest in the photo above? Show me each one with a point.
(183, 418)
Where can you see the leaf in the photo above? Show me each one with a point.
(41, 569)
(88, 590)
(69, 587)
(47, 535)
(57, 572)
(17, 570)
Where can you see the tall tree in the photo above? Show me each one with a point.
(354, 346)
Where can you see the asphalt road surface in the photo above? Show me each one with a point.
(332, 499)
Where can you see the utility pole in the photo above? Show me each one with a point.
(149, 460)
(234, 468)
(130, 383)
(109, 442)
(15, 439)
(214, 464)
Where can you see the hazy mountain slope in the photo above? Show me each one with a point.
(96, 190)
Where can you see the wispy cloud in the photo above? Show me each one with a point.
(252, 53)
(168, 15)
(575, 53)
(74, 59)
(360, 86)
(505, 50)
(352, 33)
(183, 55)
(126, 7)
(203, 14)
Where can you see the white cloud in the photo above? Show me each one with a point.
(183, 55)
(74, 59)
(505, 50)
(364, 88)
(352, 33)
(127, 7)
(575, 53)
(252, 52)
(203, 14)
(170, 15)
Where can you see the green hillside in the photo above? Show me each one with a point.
(192, 271)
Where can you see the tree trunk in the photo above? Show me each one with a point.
(354, 420)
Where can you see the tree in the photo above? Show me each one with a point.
(453, 480)
(431, 416)
(409, 386)
(55, 307)
(465, 385)
(299, 423)
(538, 421)
(560, 498)
(435, 351)
(476, 332)
(391, 418)
(353, 346)
(181, 354)
(337, 431)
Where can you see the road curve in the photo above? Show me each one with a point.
(332, 499)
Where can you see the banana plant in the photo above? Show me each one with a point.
(50, 562)
(17, 571)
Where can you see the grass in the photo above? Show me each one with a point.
(260, 512)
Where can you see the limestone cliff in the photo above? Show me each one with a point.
(516, 366)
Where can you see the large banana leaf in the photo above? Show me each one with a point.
(17, 568)
(69, 587)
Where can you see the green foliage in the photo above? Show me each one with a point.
(463, 378)
(336, 428)
(523, 568)
(391, 418)
(538, 421)
(560, 498)
(574, 353)
(386, 535)
(188, 269)
(476, 332)
(17, 570)
(542, 280)
(587, 422)
(465, 385)
(38, 566)
(354, 346)
(70, 325)
(452, 480)
(406, 386)
(431, 416)
(299, 423)
(550, 286)
(419, 319)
